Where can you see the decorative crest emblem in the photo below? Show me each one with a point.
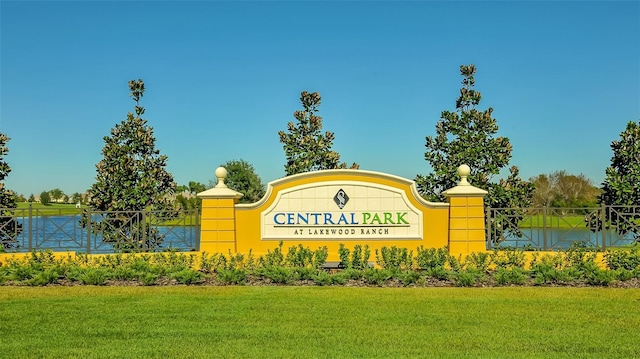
(341, 198)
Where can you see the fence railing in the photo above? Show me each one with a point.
(545, 228)
(549, 228)
(66, 229)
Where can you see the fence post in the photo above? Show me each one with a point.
(603, 217)
(218, 226)
(487, 225)
(197, 227)
(29, 244)
(466, 216)
(89, 224)
(146, 234)
(544, 228)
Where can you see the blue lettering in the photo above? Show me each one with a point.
(328, 219)
(302, 218)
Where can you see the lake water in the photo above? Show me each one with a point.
(554, 238)
(64, 233)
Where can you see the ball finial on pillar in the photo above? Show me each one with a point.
(221, 174)
(463, 172)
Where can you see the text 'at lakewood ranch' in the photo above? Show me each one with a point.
(342, 231)
(328, 218)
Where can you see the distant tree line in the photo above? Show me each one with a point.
(560, 189)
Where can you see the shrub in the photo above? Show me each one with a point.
(48, 276)
(22, 272)
(581, 257)
(394, 258)
(508, 258)
(465, 278)
(322, 278)
(600, 277)
(148, 278)
(320, 256)
(212, 263)
(300, 257)
(623, 259)
(357, 259)
(410, 277)
(277, 274)
(94, 276)
(339, 278)
(240, 261)
(625, 275)
(173, 261)
(124, 273)
(187, 276)
(515, 275)
(345, 275)
(232, 276)
(360, 256)
(439, 273)
(4, 273)
(343, 253)
(271, 259)
(479, 261)
(306, 273)
(430, 258)
(375, 276)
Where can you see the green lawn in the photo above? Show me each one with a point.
(318, 322)
(54, 209)
(553, 222)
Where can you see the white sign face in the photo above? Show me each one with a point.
(341, 210)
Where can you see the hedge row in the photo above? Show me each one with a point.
(391, 266)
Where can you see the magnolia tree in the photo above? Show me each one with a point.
(131, 181)
(9, 227)
(621, 187)
(468, 136)
(305, 146)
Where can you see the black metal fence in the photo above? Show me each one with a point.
(559, 228)
(28, 229)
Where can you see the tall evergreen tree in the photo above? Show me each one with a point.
(305, 146)
(131, 178)
(468, 136)
(621, 187)
(9, 227)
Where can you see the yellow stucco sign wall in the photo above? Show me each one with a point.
(327, 208)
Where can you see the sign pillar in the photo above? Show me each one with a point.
(466, 216)
(218, 225)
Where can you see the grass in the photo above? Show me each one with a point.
(53, 209)
(65, 209)
(318, 322)
(567, 222)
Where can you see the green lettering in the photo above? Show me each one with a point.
(365, 217)
(387, 218)
(400, 218)
(376, 219)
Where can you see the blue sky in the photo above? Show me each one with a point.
(223, 78)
